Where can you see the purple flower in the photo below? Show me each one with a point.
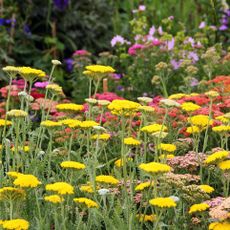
(202, 25)
(27, 30)
(171, 17)
(194, 82)
(61, 4)
(175, 64)
(120, 88)
(41, 84)
(117, 76)
(152, 30)
(160, 30)
(223, 27)
(117, 39)
(193, 56)
(142, 8)
(171, 44)
(69, 64)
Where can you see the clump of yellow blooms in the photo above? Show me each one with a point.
(221, 129)
(143, 185)
(71, 123)
(14, 174)
(163, 202)
(206, 188)
(215, 157)
(11, 70)
(54, 199)
(29, 73)
(55, 88)
(27, 181)
(103, 136)
(219, 226)
(146, 218)
(224, 165)
(87, 202)
(5, 123)
(100, 69)
(123, 107)
(25, 149)
(72, 165)
(15, 224)
(131, 141)
(105, 179)
(193, 129)
(119, 163)
(86, 188)
(147, 109)
(212, 93)
(62, 188)
(222, 119)
(200, 120)
(69, 107)
(166, 156)
(154, 167)
(154, 128)
(11, 193)
(16, 113)
(88, 124)
(177, 96)
(189, 107)
(198, 208)
(50, 124)
(167, 147)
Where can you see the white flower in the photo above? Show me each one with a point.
(56, 62)
(103, 191)
(175, 198)
(22, 94)
(145, 99)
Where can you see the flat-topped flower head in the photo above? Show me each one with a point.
(154, 128)
(55, 199)
(200, 120)
(198, 208)
(167, 147)
(86, 202)
(119, 163)
(72, 165)
(16, 113)
(146, 218)
(100, 69)
(143, 186)
(154, 168)
(11, 70)
(50, 124)
(105, 179)
(163, 202)
(29, 74)
(224, 165)
(193, 129)
(4, 122)
(219, 226)
(69, 107)
(189, 107)
(145, 100)
(54, 88)
(103, 136)
(216, 157)
(146, 109)
(86, 188)
(166, 156)
(212, 94)
(123, 107)
(131, 141)
(221, 128)
(27, 181)
(62, 188)
(56, 62)
(206, 188)
(88, 124)
(177, 96)
(169, 103)
(11, 194)
(13, 174)
(16, 224)
(103, 102)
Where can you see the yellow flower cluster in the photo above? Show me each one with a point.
(166, 156)
(87, 202)
(25, 149)
(222, 119)
(26, 181)
(29, 73)
(61, 188)
(100, 69)
(224, 165)
(206, 188)
(86, 188)
(154, 128)
(88, 124)
(11, 70)
(54, 199)
(69, 107)
(50, 124)
(146, 218)
(167, 147)
(123, 107)
(215, 157)
(219, 226)
(72, 165)
(119, 163)
(55, 88)
(221, 128)
(143, 185)
(154, 167)
(200, 120)
(163, 202)
(16, 113)
(177, 96)
(147, 109)
(5, 123)
(15, 224)
(193, 129)
(11, 193)
(198, 208)
(131, 141)
(103, 136)
(189, 106)
(14, 174)
(105, 179)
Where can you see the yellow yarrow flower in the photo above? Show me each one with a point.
(29, 73)
(215, 157)
(100, 69)
(16, 113)
(14, 174)
(62, 188)
(25, 149)
(222, 119)
(224, 165)
(221, 128)
(193, 129)
(212, 93)
(198, 208)
(206, 188)
(11, 193)
(107, 179)
(11, 70)
(86, 188)
(131, 141)
(189, 107)
(54, 199)
(166, 156)
(103, 136)
(119, 163)
(200, 120)
(146, 218)
(50, 124)
(55, 88)
(154, 128)
(72, 165)
(219, 226)
(147, 109)
(15, 224)
(87, 202)
(143, 185)
(69, 107)
(5, 123)
(167, 147)
(154, 167)
(177, 96)
(163, 202)
(88, 124)
(26, 181)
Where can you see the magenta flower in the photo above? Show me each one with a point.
(41, 84)
(133, 49)
(81, 53)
